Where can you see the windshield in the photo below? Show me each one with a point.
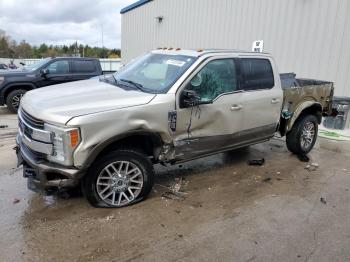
(36, 65)
(154, 73)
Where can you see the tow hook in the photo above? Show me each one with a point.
(16, 148)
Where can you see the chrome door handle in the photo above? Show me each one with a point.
(275, 101)
(236, 107)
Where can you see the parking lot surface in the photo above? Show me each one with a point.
(222, 210)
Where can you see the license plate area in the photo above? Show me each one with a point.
(28, 172)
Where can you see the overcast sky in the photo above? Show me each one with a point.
(63, 21)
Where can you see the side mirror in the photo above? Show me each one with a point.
(44, 72)
(190, 98)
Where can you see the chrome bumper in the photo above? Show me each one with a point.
(43, 175)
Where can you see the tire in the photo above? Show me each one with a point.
(14, 98)
(118, 189)
(298, 135)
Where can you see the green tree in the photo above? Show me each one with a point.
(23, 50)
(10, 49)
(42, 49)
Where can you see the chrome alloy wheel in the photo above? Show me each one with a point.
(16, 100)
(307, 135)
(119, 183)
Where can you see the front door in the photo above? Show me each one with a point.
(58, 73)
(210, 127)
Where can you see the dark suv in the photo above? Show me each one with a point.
(49, 71)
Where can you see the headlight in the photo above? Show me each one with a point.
(65, 141)
(2, 79)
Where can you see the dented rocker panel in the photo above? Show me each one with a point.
(191, 148)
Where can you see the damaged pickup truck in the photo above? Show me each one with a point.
(166, 107)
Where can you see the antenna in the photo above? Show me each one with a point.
(102, 39)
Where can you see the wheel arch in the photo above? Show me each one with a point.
(306, 108)
(148, 142)
(11, 87)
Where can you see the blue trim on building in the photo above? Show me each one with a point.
(134, 5)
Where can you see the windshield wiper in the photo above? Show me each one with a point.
(137, 85)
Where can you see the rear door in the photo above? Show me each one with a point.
(262, 97)
(83, 69)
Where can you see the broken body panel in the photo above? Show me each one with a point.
(303, 94)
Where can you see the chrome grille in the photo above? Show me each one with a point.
(32, 121)
(35, 155)
(32, 133)
(24, 129)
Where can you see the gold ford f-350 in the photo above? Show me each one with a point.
(167, 106)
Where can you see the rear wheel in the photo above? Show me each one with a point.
(14, 98)
(302, 137)
(121, 178)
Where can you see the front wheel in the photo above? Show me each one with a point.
(302, 137)
(14, 98)
(121, 178)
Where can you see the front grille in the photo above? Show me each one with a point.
(24, 129)
(37, 156)
(32, 121)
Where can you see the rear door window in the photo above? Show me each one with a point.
(256, 73)
(84, 66)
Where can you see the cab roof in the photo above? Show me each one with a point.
(201, 52)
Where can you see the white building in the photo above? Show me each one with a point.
(308, 37)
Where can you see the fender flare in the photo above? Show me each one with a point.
(11, 85)
(99, 148)
(298, 111)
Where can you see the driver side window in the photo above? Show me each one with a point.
(215, 78)
(59, 67)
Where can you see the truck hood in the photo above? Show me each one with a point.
(15, 72)
(60, 103)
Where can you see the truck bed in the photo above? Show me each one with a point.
(297, 90)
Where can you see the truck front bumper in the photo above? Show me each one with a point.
(44, 176)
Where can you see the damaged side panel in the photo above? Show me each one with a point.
(195, 147)
(310, 93)
(202, 128)
(152, 118)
